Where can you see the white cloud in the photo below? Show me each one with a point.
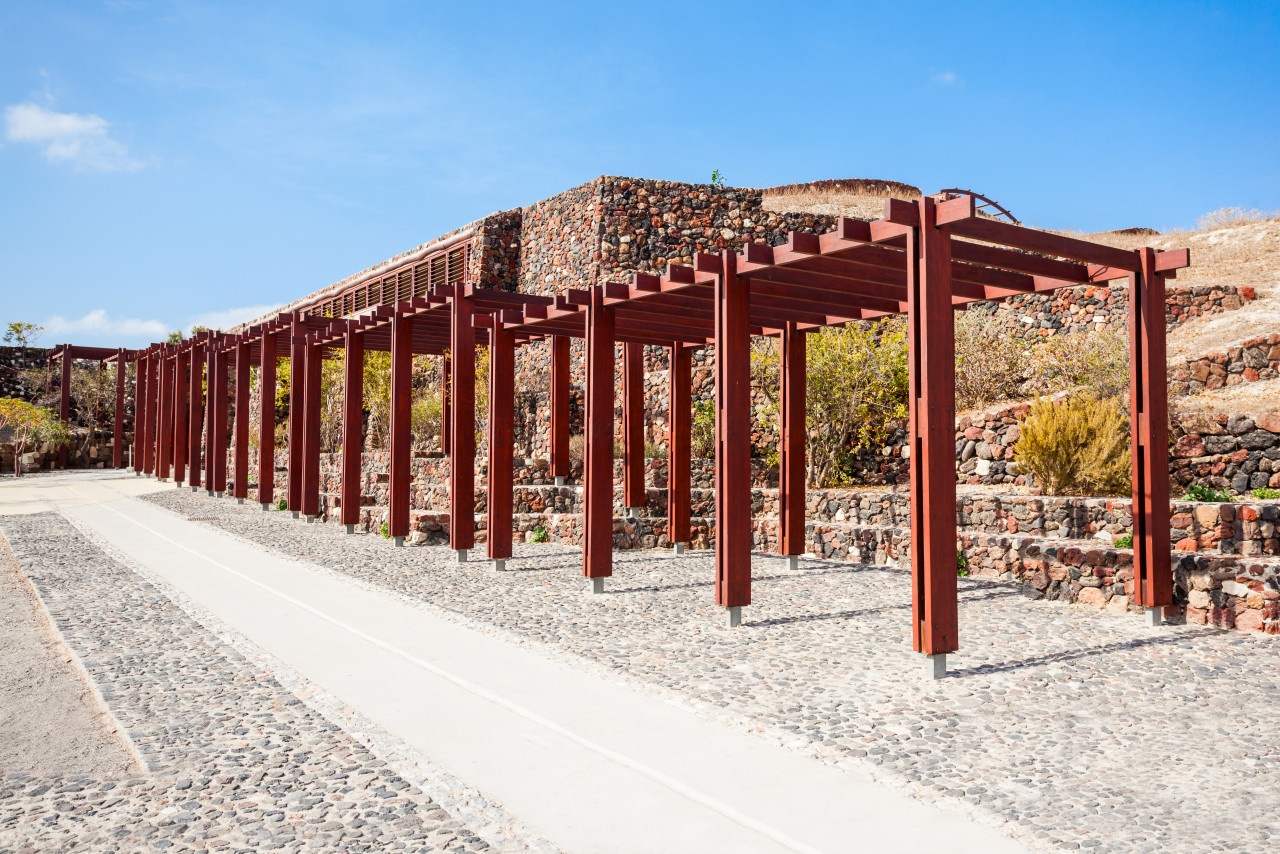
(97, 329)
(82, 140)
(946, 78)
(224, 320)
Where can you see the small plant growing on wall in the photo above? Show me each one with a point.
(1199, 492)
(540, 535)
(962, 564)
(717, 178)
(385, 530)
(282, 504)
(1266, 493)
(1125, 542)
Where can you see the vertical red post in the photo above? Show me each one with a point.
(352, 425)
(297, 403)
(139, 403)
(142, 407)
(559, 438)
(733, 438)
(633, 493)
(267, 420)
(168, 409)
(311, 431)
(931, 347)
(401, 412)
(214, 432)
(792, 474)
(117, 437)
(64, 404)
(597, 503)
(462, 439)
(679, 443)
(240, 455)
(153, 410)
(157, 401)
(1149, 408)
(195, 411)
(181, 412)
(218, 412)
(502, 403)
(446, 416)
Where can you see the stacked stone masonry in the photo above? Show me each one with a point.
(1250, 361)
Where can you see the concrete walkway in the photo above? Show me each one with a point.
(593, 766)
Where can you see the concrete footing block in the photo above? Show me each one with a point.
(733, 617)
(310, 519)
(351, 529)
(398, 542)
(209, 493)
(218, 494)
(265, 507)
(935, 666)
(560, 479)
(239, 500)
(499, 564)
(461, 555)
(1153, 616)
(678, 548)
(297, 514)
(793, 561)
(596, 585)
(634, 512)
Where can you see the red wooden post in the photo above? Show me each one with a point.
(633, 492)
(140, 403)
(931, 346)
(195, 412)
(462, 439)
(297, 400)
(401, 406)
(164, 431)
(679, 444)
(117, 437)
(64, 404)
(153, 410)
(792, 475)
(311, 431)
(1149, 408)
(181, 412)
(218, 411)
(597, 503)
(157, 412)
(141, 384)
(213, 444)
(559, 408)
(502, 403)
(733, 438)
(352, 426)
(446, 415)
(267, 420)
(240, 455)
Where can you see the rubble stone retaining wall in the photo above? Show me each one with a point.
(1249, 362)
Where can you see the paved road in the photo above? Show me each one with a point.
(593, 766)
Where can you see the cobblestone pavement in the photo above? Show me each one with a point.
(1078, 729)
(241, 755)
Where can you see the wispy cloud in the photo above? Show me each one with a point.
(80, 139)
(946, 78)
(97, 327)
(226, 319)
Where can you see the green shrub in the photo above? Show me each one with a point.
(990, 364)
(1265, 493)
(1125, 542)
(540, 535)
(282, 504)
(385, 530)
(1077, 445)
(654, 451)
(1199, 492)
(962, 564)
(1097, 361)
(703, 430)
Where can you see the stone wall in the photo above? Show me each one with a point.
(1250, 361)
(15, 360)
(1234, 453)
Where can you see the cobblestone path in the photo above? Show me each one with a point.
(1082, 730)
(236, 760)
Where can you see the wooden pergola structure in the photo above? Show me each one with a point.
(66, 355)
(923, 259)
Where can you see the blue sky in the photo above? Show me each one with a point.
(165, 163)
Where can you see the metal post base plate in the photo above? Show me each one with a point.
(935, 666)
(310, 519)
(793, 561)
(398, 542)
(1153, 616)
(560, 479)
(351, 529)
(460, 555)
(634, 512)
(296, 514)
(733, 617)
(597, 585)
(265, 507)
(195, 488)
(678, 548)
(499, 564)
(239, 500)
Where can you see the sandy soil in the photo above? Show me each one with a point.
(51, 722)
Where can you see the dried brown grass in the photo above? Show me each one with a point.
(852, 197)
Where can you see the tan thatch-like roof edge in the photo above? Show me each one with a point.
(859, 186)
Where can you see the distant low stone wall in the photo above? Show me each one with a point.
(15, 360)
(1250, 361)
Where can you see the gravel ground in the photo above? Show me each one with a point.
(53, 722)
(240, 755)
(1076, 729)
